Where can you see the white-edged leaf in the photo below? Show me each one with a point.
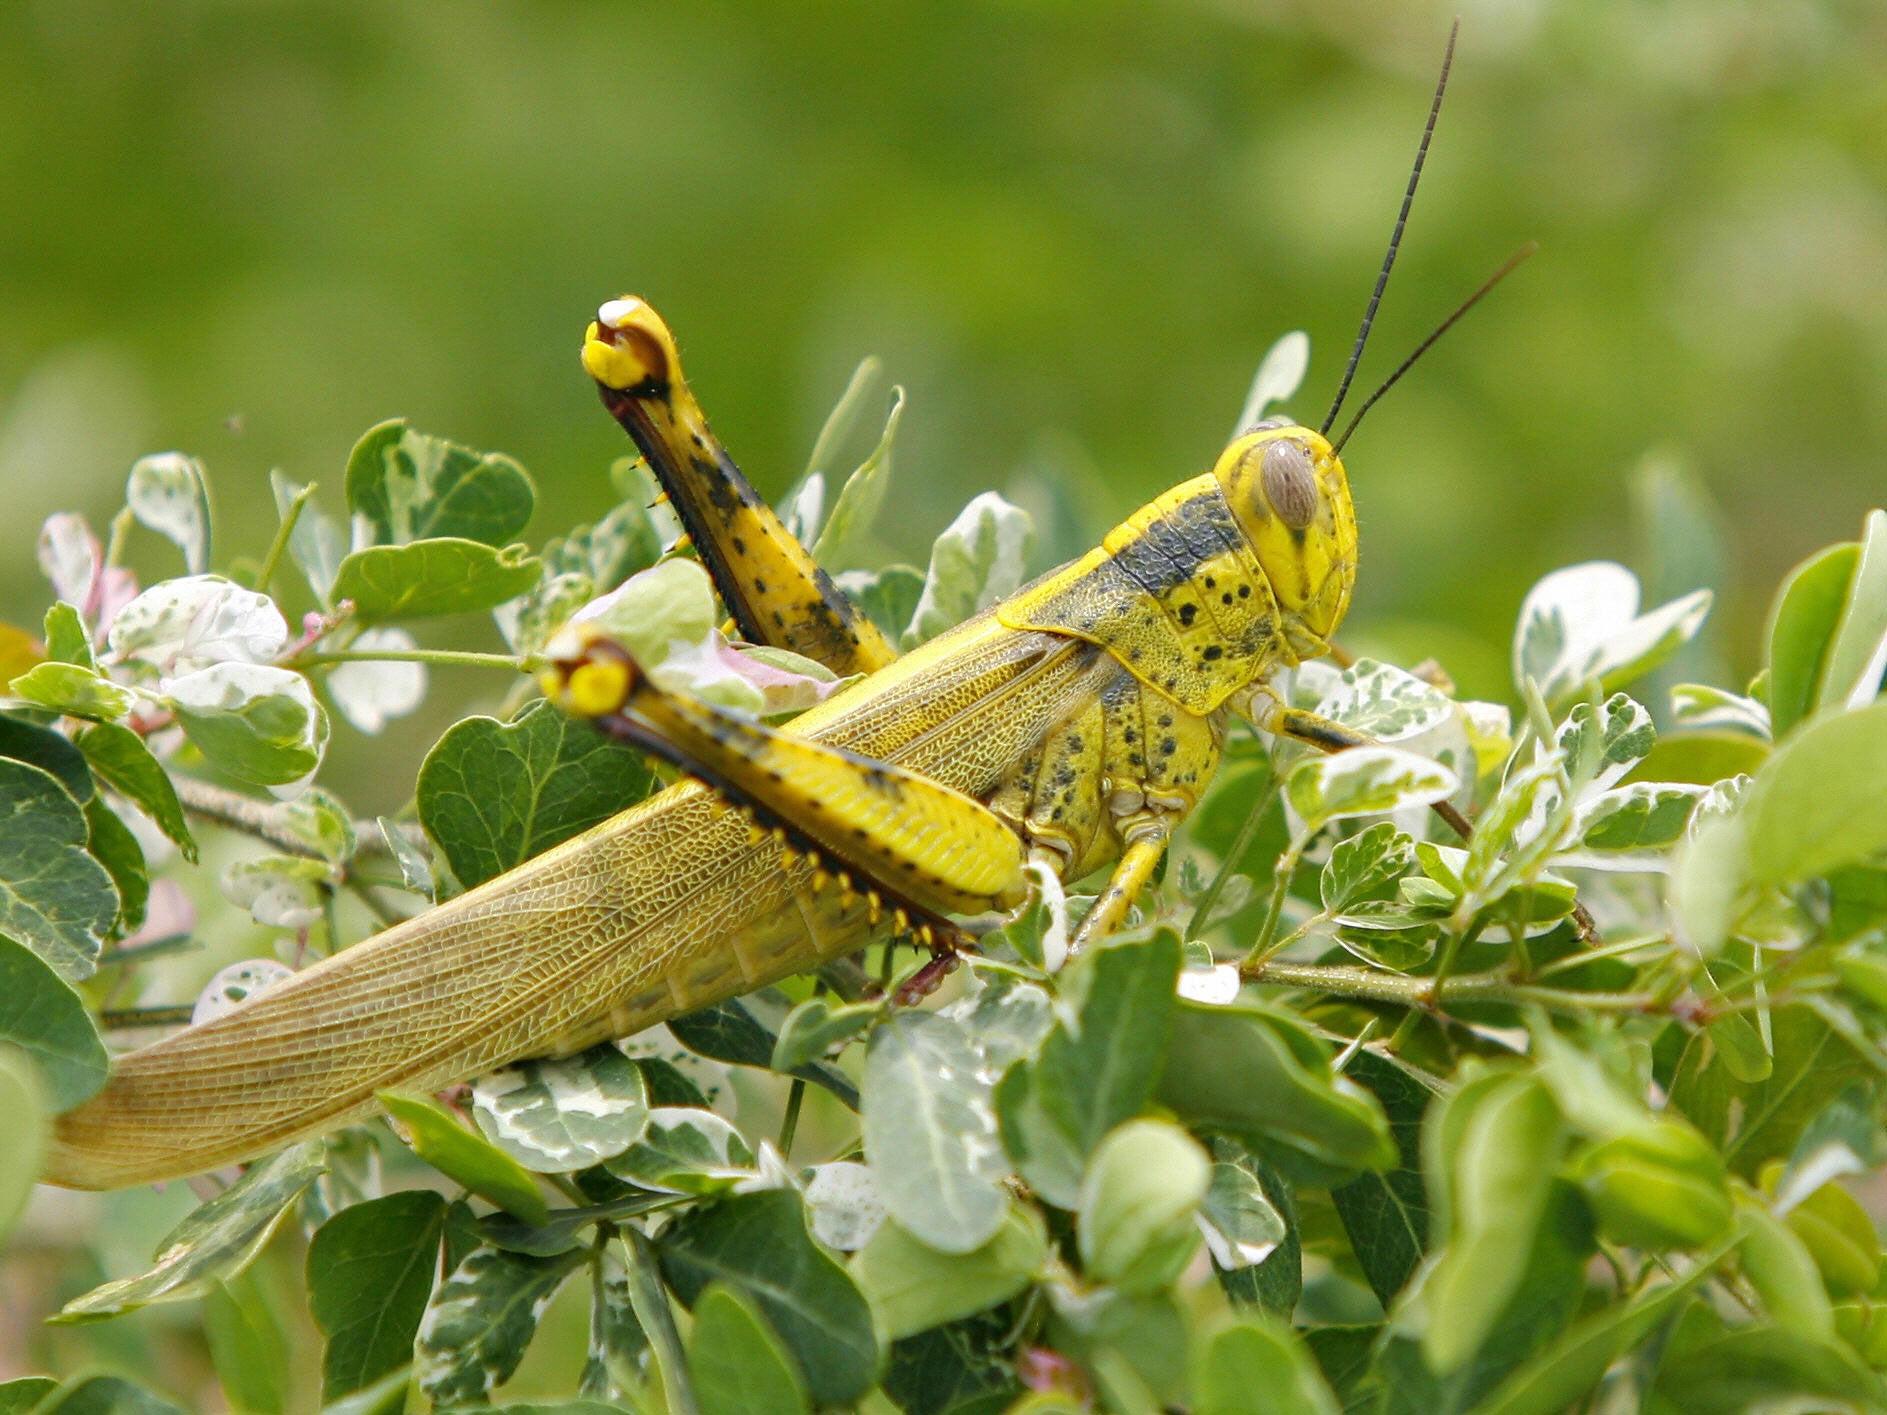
(237, 984)
(860, 498)
(686, 1150)
(193, 622)
(317, 544)
(480, 1320)
(1384, 702)
(844, 1204)
(1600, 744)
(70, 556)
(1582, 623)
(279, 891)
(79, 692)
(1365, 781)
(1646, 815)
(254, 721)
(556, 1116)
(216, 1240)
(930, 1132)
(1698, 705)
(980, 557)
(1279, 375)
(169, 493)
(370, 694)
(657, 611)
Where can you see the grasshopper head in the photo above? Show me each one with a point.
(1291, 496)
(628, 348)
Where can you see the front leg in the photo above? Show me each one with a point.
(768, 580)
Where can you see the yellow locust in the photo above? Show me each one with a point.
(1075, 724)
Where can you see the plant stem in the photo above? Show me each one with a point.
(1280, 886)
(282, 533)
(1429, 994)
(448, 657)
(1247, 832)
(789, 1125)
(121, 1017)
(650, 1304)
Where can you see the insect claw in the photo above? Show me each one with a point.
(874, 906)
(901, 921)
(820, 879)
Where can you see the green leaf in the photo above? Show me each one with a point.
(122, 761)
(735, 1032)
(18, 1397)
(561, 1115)
(1136, 1225)
(103, 1395)
(1547, 1293)
(1365, 781)
(215, 1241)
(114, 846)
(1851, 670)
(461, 1155)
(930, 1132)
(617, 1341)
(22, 1103)
(247, 1345)
(259, 723)
(386, 1396)
(1563, 1372)
(653, 612)
(1101, 1063)
(1364, 864)
(1752, 1368)
(492, 794)
(1257, 1367)
(1817, 805)
(52, 752)
(1265, 1079)
(889, 596)
(817, 1025)
(1386, 1215)
(1756, 1121)
(410, 487)
(738, 1365)
(1802, 627)
(686, 1150)
(41, 1014)
(370, 1273)
(75, 691)
(963, 1368)
(1045, 1154)
(431, 577)
(54, 897)
(841, 542)
(480, 1320)
(980, 557)
(169, 493)
(1498, 1142)
(758, 1245)
(67, 638)
(912, 1287)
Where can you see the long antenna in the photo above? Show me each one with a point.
(1395, 237)
(1422, 348)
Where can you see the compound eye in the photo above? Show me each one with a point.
(1290, 482)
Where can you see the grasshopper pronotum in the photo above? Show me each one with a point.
(1076, 723)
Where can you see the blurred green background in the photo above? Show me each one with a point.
(248, 231)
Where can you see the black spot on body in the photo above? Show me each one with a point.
(1187, 613)
(1213, 652)
(1226, 598)
(1168, 746)
(740, 546)
(1244, 591)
